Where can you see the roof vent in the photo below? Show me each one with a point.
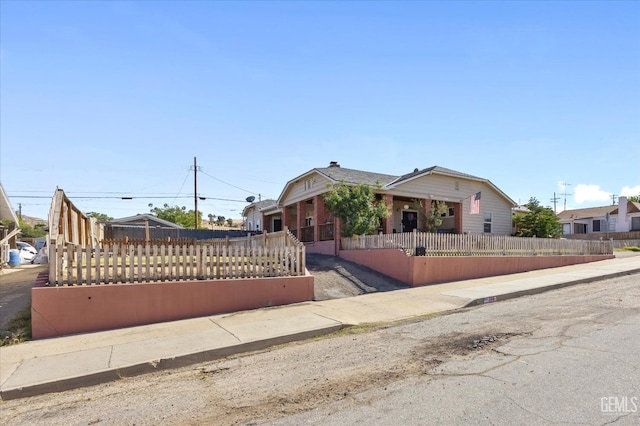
(334, 164)
(415, 170)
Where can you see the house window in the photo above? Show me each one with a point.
(596, 226)
(456, 186)
(635, 223)
(452, 211)
(308, 221)
(308, 184)
(487, 223)
(579, 228)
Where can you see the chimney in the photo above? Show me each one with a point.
(334, 164)
(622, 221)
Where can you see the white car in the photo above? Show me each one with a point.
(27, 251)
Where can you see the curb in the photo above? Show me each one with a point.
(539, 290)
(150, 366)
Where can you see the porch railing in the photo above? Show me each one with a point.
(307, 234)
(326, 231)
(429, 244)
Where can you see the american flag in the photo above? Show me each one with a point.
(474, 204)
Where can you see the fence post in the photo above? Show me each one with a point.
(414, 240)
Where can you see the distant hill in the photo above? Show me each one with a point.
(33, 220)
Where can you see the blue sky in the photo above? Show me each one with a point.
(112, 99)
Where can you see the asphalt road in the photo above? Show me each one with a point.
(560, 357)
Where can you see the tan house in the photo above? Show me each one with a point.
(300, 206)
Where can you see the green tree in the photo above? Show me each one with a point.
(220, 220)
(28, 231)
(537, 222)
(100, 216)
(176, 214)
(634, 198)
(357, 208)
(434, 219)
(230, 222)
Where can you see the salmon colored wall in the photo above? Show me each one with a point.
(58, 311)
(425, 270)
(321, 247)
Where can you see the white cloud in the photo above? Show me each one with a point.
(587, 193)
(628, 191)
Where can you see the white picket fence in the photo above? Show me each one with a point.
(127, 263)
(430, 244)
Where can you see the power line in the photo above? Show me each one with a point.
(135, 197)
(227, 183)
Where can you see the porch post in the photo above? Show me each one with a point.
(426, 210)
(457, 212)
(301, 217)
(286, 217)
(316, 217)
(388, 221)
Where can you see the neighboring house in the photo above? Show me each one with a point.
(515, 211)
(624, 217)
(6, 210)
(255, 213)
(143, 220)
(7, 233)
(302, 210)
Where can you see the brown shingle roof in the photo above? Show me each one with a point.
(587, 212)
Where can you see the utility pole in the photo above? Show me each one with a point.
(554, 200)
(195, 190)
(613, 199)
(20, 210)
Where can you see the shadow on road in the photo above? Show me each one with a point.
(336, 278)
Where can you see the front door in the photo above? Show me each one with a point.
(277, 225)
(409, 220)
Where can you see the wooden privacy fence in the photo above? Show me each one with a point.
(430, 244)
(128, 263)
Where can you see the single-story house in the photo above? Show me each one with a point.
(624, 217)
(255, 212)
(474, 204)
(144, 220)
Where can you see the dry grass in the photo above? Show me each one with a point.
(18, 329)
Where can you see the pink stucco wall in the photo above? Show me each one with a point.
(57, 311)
(424, 270)
(321, 247)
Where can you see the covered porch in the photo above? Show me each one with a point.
(312, 223)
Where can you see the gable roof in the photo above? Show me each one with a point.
(6, 211)
(586, 213)
(260, 206)
(335, 173)
(138, 220)
(632, 207)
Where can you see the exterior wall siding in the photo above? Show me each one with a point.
(444, 188)
(452, 190)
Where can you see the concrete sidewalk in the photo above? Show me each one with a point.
(62, 363)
